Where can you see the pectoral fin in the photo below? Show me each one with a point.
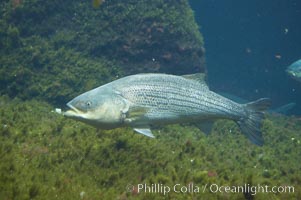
(145, 131)
(135, 113)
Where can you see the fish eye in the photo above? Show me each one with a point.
(88, 103)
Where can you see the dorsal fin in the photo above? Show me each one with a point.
(199, 77)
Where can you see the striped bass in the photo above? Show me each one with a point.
(143, 100)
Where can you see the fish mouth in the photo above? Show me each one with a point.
(72, 112)
(291, 73)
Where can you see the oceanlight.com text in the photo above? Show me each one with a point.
(211, 188)
(251, 189)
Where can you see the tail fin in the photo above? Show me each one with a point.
(250, 124)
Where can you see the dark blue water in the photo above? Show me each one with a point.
(249, 44)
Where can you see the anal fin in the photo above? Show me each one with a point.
(145, 131)
(205, 126)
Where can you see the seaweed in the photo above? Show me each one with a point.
(40, 150)
(55, 50)
(51, 51)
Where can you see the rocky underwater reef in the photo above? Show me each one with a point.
(56, 50)
(51, 51)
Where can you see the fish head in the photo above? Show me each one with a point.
(295, 73)
(99, 109)
(294, 70)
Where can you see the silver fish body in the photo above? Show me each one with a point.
(173, 99)
(142, 100)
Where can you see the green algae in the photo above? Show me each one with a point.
(56, 50)
(44, 155)
(39, 70)
(53, 50)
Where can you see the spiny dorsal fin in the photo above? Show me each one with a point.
(199, 77)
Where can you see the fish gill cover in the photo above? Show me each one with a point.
(71, 46)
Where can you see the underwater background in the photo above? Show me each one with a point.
(249, 45)
(52, 51)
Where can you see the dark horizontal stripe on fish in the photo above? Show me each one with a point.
(156, 92)
(193, 105)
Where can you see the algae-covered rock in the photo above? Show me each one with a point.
(142, 35)
(57, 49)
(44, 155)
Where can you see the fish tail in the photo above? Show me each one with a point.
(251, 124)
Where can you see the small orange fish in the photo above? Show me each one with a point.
(278, 56)
(97, 3)
(16, 3)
